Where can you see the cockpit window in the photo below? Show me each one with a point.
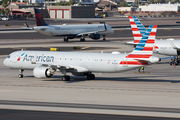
(8, 56)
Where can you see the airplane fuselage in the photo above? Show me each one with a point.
(73, 30)
(83, 62)
(163, 47)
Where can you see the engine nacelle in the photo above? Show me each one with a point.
(95, 36)
(42, 72)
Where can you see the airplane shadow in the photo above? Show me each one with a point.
(75, 79)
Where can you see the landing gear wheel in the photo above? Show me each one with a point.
(20, 76)
(66, 78)
(20, 73)
(82, 39)
(66, 39)
(104, 38)
(91, 77)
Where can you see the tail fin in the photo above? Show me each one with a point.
(144, 49)
(137, 28)
(39, 19)
(142, 54)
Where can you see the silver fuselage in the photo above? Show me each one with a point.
(73, 30)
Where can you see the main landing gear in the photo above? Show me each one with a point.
(20, 73)
(82, 39)
(66, 39)
(90, 76)
(104, 37)
(66, 78)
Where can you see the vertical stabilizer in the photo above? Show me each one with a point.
(39, 19)
(142, 54)
(137, 28)
(145, 45)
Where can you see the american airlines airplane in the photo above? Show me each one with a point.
(94, 31)
(46, 63)
(169, 47)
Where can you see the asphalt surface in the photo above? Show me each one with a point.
(169, 33)
(7, 114)
(90, 106)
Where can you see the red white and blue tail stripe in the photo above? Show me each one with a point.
(145, 45)
(144, 49)
(137, 28)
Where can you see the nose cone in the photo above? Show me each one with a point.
(5, 62)
(112, 31)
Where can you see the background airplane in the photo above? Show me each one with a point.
(94, 31)
(46, 63)
(168, 47)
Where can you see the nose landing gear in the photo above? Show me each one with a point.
(20, 73)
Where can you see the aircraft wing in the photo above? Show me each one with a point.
(64, 67)
(88, 33)
(130, 43)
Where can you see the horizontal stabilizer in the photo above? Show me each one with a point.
(27, 26)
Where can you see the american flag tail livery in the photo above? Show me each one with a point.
(137, 28)
(39, 19)
(142, 54)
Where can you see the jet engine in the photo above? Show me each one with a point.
(95, 36)
(43, 72)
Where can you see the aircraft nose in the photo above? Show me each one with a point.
(5, 62)
(112, 31)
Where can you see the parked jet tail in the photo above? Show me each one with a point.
(142, 54)
(137, 28)
(39, 19)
